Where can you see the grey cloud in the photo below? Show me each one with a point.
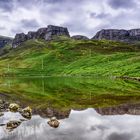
(100, 16)
(17, 30)
(84, 17)
(2, 28)
(29, 23)
(6, 5)
(122, 3)
(80, 29)
(121, 136)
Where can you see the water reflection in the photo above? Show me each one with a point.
(69, 92)
(133, 109)
(81, 125)
(115, 115)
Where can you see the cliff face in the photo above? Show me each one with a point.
(79, 37)
(118, 35)
(43, 33)
(48, 33)
(4, 41)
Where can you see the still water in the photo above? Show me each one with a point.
(87, 109)
(80, 125)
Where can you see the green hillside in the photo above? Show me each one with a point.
(66, 57)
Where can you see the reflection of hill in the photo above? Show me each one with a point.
(51, 112)
(119, 110)
(69, 92)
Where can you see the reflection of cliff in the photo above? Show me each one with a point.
(119, 110)
(51, 112)
(45, 113)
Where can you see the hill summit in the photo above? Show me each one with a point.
(132, 35)
(51, 32)
(42, 33)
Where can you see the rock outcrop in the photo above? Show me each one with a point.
(79, 37)
(43, 33)
(118, 35)
(5, 40)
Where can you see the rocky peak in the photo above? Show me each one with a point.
(19, 38)
(118, 35)
(79, 37)
(4, 41)
(42, 33)
(56, 31)
(31, 35)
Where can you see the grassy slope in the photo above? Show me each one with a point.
(69, 57)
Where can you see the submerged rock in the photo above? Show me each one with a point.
(53, 122)
(1, 101)
(13, 107)
(2, 124)
(12, 125)
(1, 114)
(27, 112)
(3, 105)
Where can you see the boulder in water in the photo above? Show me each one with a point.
(13, 107)
(53, 122)
(12, 125)
(1, 114)
(27, 112)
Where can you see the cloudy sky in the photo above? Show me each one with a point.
(84, 17)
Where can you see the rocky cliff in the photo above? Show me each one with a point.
(79, 37)
(43, 33)
(118, 35)
(51, 31)
(4, 41)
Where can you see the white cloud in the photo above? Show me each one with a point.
(75, 14)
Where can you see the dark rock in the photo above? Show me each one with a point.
(13, 107)
(1, 114)
(43, 33)
(40, 34)
(12, 125)
(50, 112)
(118, 35)
(80, 37)
(56, 31)
(31, 35)
(19, 38)
(2, 124)
(5, 41)
(3, 105)
(53, 122)
(26, 113)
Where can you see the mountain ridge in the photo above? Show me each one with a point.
(122, 35)
(48, 33)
